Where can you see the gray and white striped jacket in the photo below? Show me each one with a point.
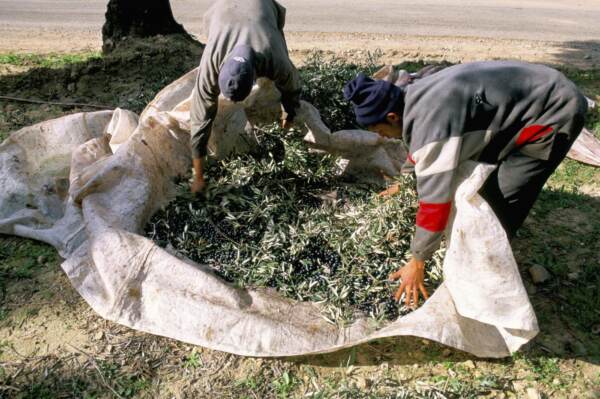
(479, 111)
(230, 23)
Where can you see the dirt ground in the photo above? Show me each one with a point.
(52, 344)
(396, 48)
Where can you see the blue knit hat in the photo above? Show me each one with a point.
(372, 99)
(236, 76)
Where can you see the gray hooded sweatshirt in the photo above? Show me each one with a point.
(480, 111)
(230, 23)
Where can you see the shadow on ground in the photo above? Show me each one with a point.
(129, 78)
(583, 54)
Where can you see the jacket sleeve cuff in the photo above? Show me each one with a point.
(198, 153)
(425, 243)
(289, 109)
(199, 139)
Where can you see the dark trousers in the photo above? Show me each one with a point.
(517, 182)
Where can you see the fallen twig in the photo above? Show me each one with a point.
(95, 364)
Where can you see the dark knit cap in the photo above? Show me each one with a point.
(372, 99)
(236, 76)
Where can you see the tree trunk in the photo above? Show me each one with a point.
(138, 18)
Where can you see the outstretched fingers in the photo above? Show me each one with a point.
(415, 298)
(390, 191)
(408, 295)
(423, 291)
(399, 292)
(395, 276)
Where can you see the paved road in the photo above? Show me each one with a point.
(555, 20)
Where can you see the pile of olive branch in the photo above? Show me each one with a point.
(283, 219)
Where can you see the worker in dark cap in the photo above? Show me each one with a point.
(245, 42)
(522, 117)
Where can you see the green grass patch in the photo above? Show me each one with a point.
(194, 360)
(587, 80)
(284, 385)
(110, 380)
(46, 60)
(22, 259)
(125, 384)
(545, 369)
(571, 176)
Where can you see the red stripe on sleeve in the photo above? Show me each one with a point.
(433, 217)
(532, 133)
(411, 159)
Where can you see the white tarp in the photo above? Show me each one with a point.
(64, 185)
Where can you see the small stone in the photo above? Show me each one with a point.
(391, 236)
(109, 44)
(447, 353)
(573, 276)
(531, 290)
(555, 345)
(539, 274)
(171, 249)
(577, 347)
(363, 383)
(71, 87)
(533, 393)
(469, 364)
(99, 335)
(596, 329)
(518, 386)
(587, 57)
(328, 198)
(41, 260)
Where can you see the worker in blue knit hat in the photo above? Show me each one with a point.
(245, 42)
(522, 117)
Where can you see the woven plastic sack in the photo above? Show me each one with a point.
(67, 187)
